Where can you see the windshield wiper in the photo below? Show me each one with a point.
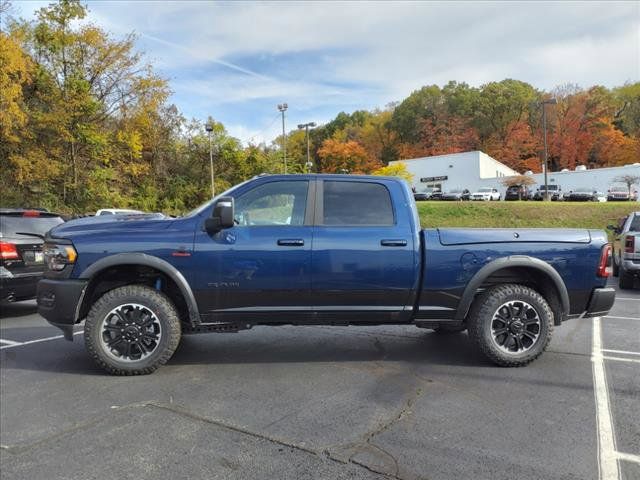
(31, 235)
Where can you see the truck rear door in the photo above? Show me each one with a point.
(364, 260)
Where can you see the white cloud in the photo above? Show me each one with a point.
(343, 55)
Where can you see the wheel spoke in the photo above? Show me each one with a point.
(499, 331)
(115, 341)
(519, 345)
(529, 335)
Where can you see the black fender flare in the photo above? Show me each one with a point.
(510, 262)
(147, 261)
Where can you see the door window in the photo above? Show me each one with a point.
(356, 204)
(275, 203)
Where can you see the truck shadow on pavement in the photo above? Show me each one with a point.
(269, 345)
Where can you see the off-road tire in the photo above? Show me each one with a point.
(450, 329)
(156, 301)
(481, 317)
(615, 267)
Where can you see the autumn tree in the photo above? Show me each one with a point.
(398, 169)
(346, 157)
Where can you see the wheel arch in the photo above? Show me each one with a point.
(176, 286)
(527, 270)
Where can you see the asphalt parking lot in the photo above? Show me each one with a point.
(325, 402)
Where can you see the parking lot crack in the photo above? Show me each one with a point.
(181, 411)
(23, 447)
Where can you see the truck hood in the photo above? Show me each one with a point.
(111, 224)
(463, 236)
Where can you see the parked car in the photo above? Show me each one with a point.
(427, 194)
(555, 193)
(436, 194)
(117, 211)
(21, 259)
(351, 252)
(486, 194)
(581, 195)
(456, 194)
(620, 193)
(626, 258)
(517, 192)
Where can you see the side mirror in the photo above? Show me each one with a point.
(222, 216)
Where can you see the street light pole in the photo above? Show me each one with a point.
(209, 129)
(283, 107)
(306, 134)
(550, 101)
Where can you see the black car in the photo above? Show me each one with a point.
(429, 193)
(517, 192)
(21, 258)
(456, 194)
(581, 195)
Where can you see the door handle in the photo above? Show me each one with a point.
(393, 243)
(291, 242)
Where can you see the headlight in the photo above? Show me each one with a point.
(57, 257)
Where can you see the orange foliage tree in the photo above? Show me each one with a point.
(346, 157)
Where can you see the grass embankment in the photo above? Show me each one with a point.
(523, 214)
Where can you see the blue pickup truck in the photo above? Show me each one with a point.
(314, 250)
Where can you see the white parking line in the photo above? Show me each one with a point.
(607, 455)
(628, 298)
(8, 342)
(620, 359)
(637, 319)
(629, 457)
(622, 352)
(20, 344)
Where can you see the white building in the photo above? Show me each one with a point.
(474, 170)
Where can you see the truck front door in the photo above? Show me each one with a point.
(260, 268)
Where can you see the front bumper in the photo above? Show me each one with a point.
(58, 302)
(601, 302)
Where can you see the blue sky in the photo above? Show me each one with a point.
(236, 61)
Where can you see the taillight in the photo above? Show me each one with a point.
(8, 251)
(604, 265)
(630, 244)
(31, 213)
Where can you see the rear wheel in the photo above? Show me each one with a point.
(132, 330)
(511, 324)
(615, 265)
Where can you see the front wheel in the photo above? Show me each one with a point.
(511, 324)
(132, 330)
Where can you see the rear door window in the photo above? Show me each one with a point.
(356, 204)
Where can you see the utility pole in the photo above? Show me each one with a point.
(283, 107)
(209, 129)
(550, 101)
(306, 132)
